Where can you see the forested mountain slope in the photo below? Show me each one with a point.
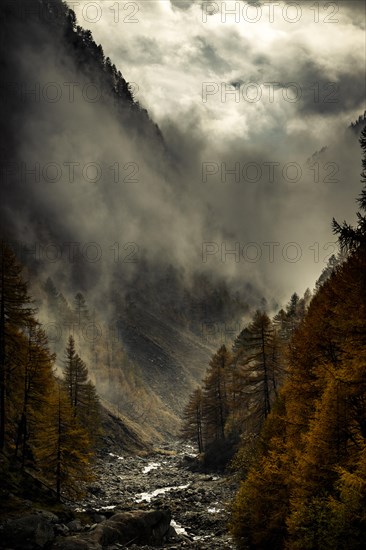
(80, 164)
(304, 488)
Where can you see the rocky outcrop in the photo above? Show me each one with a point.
(32, 531)
(139, 527)
(40, 530)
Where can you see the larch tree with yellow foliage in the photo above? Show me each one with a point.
(15, 314)
(63, 449)
(316, 462)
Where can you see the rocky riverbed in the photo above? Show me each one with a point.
(163, 481)
(134, 502)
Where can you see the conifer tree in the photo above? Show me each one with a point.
(81, 392)
(351, 238)
(15, 313)
(307, 489)
(237, 399)
(323, 429)
(259, 363)
(36, 381)
(259, 511)
(192, 429)
(76, 376)
(63, 446)
(81, 310)
(215, 396)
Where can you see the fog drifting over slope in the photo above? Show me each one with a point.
(172, 202)
(176, 52)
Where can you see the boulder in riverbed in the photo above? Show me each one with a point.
(30, 532)
(143, 527)
(139, 527)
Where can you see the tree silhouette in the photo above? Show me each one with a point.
(351, 238)
(15, 314)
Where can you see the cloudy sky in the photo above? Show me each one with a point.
(257, 89)
(254, 104)
(171, 48)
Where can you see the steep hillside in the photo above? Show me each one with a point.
(68, 111)
(171, 358)
(146, 361)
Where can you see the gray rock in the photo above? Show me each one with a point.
(75, 526)
(61, 529)
(171, 534)
(50, 516)
(99, 518)
(144, 527)
(29, 532)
